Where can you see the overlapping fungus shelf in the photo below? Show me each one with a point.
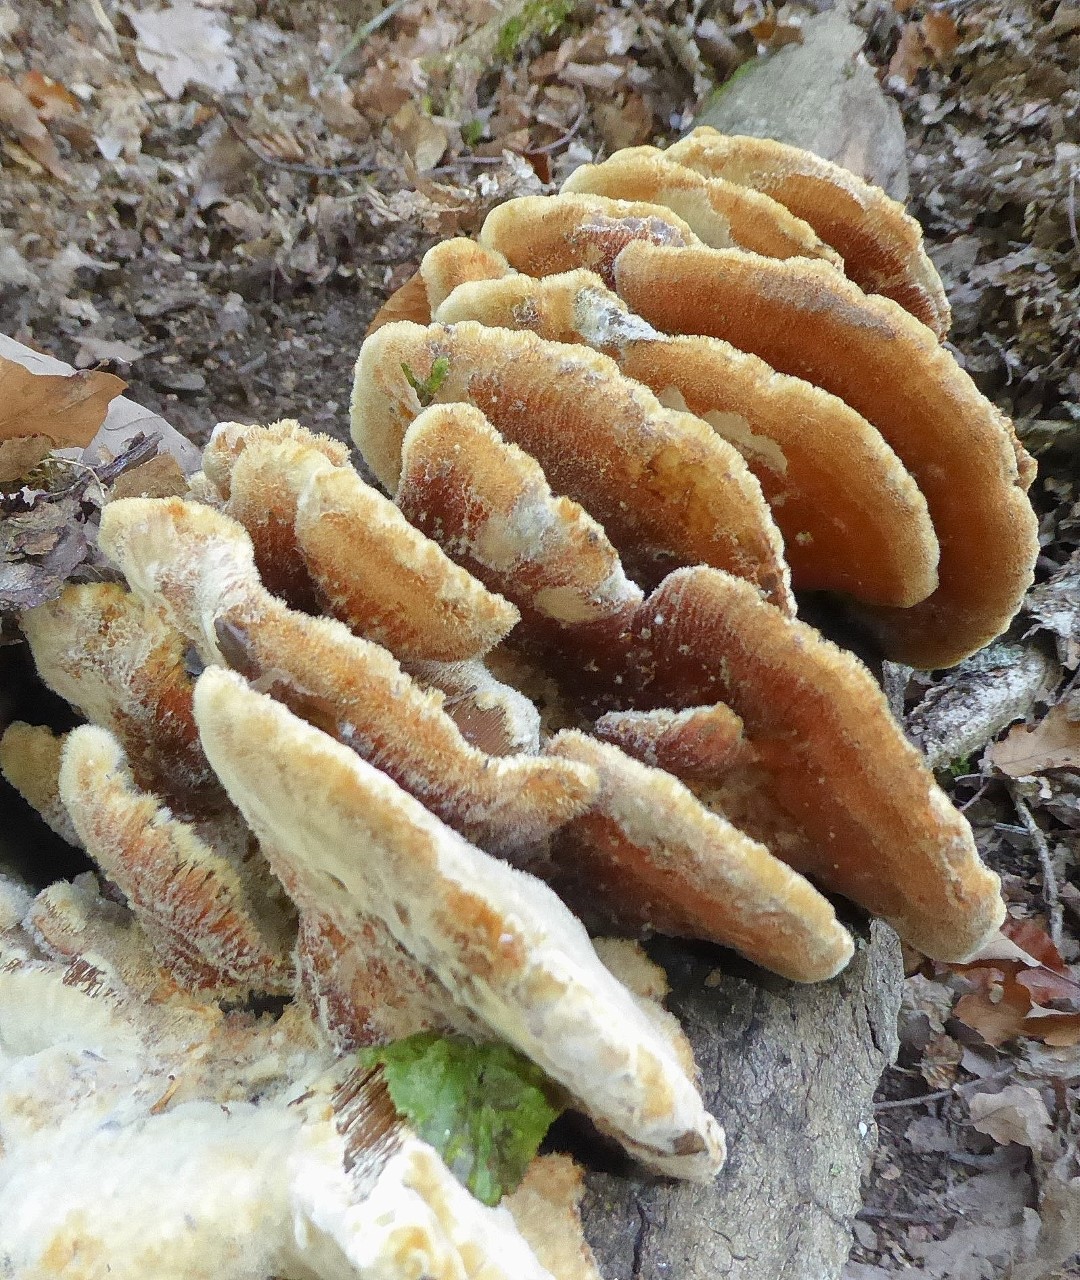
(408, 761)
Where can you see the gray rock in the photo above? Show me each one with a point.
(822, 95)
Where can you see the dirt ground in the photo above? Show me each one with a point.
(217, 222)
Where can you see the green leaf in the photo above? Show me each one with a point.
(483, 1107)
(428, 388)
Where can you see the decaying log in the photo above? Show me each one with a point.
(790, 1072)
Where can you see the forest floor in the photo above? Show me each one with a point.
(212, 200)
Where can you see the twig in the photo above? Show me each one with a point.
(294, 166)
(105, 23)
(566, 137)
(917, 1101)
(895, 1215)
(1049, 875)
(361, 34)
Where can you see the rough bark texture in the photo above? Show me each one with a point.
(790, 1071)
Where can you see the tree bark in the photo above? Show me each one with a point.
(790, 1071)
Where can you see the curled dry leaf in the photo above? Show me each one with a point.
(1016, 1114)
(23, 118)
(1052, 743)
(68, 409)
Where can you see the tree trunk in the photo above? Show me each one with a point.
(790, 1071)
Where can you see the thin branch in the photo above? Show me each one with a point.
(1049, 875)
(361, 34)
(294, 166)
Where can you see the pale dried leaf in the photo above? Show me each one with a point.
(1054, 743)
(1016, 1114)
(184, 44)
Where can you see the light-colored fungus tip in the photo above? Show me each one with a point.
(209, 929)
(500, 941)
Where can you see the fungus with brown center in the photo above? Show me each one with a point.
(697, 762)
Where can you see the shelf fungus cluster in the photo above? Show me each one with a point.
(432, 764)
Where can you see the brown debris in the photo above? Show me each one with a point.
(722, 214)
(880, 243)
(665, 487)
(807, 320)
(200, 563)
(852, 518)
(649, 856)
(206, 926)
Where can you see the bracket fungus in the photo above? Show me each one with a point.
(425, 768)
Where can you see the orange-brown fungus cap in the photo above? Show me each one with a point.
(665, 487)
(488, 504)
(700, 742)
(200, 563)
(263, 474)
(722, 214)
(207, 929)
(322, 537)
(805, 319)
(444, 266)
(852, 518)
(649, 856)
(114, 657)
(541, 235)
(389, 582)
(830, 755)
(880, 243)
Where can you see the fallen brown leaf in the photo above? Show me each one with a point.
(20, 455)
(1053, 743)
(68, 409)
(941, 34)
(18, 113)
(49, 97)
(1016, 1114)
(1009, 997)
